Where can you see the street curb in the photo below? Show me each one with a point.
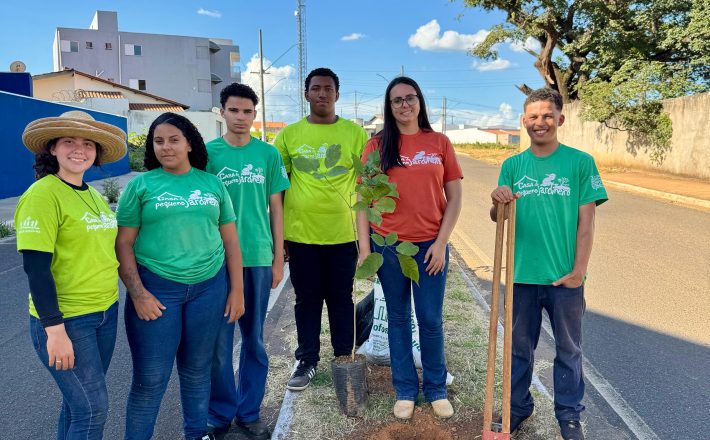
(677, 198)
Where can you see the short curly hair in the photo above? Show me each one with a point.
(239, 91)
(322, 71)
(545, 94)
(46, 163)
(198, 155)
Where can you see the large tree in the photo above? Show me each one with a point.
(619, 57)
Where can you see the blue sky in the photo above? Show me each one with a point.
(361, 41)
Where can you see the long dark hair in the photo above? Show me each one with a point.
(390, 136)
(198, 155)
(46, 163)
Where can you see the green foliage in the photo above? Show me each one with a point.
(112, 190)
(369, 266)
(136, 151)
(407, 248)
(409, 267)
(620, 58)
(377, 196)
(6, 229)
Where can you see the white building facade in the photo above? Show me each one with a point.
(191, 70)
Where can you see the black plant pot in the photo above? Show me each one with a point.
(350, 381)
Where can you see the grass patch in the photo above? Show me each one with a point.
(316, 410)
(6, 229)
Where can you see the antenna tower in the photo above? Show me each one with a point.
(302, 58)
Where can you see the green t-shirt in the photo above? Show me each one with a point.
(314, 209)
(179, 218)
(552, 189)
(251, 173)
(79, 229)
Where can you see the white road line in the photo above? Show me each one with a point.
(591, 374)
(273, 297)
(10, 270)
(478, 296)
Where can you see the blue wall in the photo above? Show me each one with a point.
(16, 82)
(16, 172)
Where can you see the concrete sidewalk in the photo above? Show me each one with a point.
(686, 191)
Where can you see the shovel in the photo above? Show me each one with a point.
(500, 431)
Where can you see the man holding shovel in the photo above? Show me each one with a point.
(558, 189)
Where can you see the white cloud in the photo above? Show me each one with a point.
(281, 86)
(207, 12)
(504, 117)
(529, 44)
(498, 64)
(429, 37)
(352, 37)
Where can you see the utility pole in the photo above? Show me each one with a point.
(301, 21)
(401, 72)
(263, 95)
(443, 115)
(355, 104)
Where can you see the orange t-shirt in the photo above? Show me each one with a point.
(430, 162)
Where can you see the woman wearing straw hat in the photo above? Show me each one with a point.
(66, 233)
(176, 230)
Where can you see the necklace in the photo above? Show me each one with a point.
(98, 211)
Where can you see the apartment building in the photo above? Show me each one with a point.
(190, 70)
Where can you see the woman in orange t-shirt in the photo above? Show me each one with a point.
(423, 164)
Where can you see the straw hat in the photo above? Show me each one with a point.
(76, 123)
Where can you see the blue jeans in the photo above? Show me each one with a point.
(428, 304)
(243, 401)
(84, 395)
(565, 308)
(186, 333)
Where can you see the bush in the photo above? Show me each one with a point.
(6, 229)
(136, 151)
(486, 146)
(112, 190)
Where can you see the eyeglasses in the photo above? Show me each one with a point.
(409, 99)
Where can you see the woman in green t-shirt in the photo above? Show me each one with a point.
(175, 230)
(66, 233)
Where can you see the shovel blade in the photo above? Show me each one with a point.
(490, 435)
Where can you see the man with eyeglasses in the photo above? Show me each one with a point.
(318, 228)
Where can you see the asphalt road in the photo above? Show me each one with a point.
(647, 325)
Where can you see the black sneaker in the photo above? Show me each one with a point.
(253, 430)
(571, 430)
(218, 431)
(301, 378)
(515, 422)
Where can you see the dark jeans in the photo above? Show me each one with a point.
(428, 306)
(84, 395)
(565, 308)
(186, 333)
(243, 401)
(323, 273)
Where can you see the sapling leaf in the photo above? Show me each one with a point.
(360, 206)
(305, 164)
(407, 248)
(337, 171)
(378, 239)
(391, 239)
(374, 216)
(332, 156)
(369, 266)
(357, 164)
(386, 205)
(409, 267)
(318, 175)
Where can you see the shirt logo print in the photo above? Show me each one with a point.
(312, 152)
(248, 174)
(421, 158)
(596, 182)
(28, 225)
(103, 221)
(196, 198)
(551, 185)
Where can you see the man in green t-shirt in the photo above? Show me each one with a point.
(255, 177)
(557, 190)
(319, 228)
